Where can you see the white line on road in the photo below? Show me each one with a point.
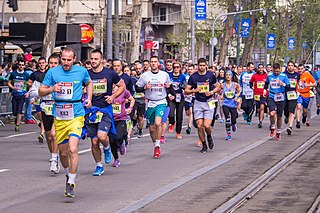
(4, 170)
(21, 134)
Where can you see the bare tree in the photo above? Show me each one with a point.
(136, 29)
(49, 39)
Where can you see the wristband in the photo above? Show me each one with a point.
(130, 108)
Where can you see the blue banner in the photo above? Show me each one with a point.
(200, 10)
(245, 27)
(291, 42)
(271, 41)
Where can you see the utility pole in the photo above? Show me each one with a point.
(50, 32)
(108, 45)
(136, 29)
(193, 37)
(116, 33)
(2, 31)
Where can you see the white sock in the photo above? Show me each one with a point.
(72, 178)
(66, 170)
(157, 143)
(54, 156)
(99, 164)
(106, 147)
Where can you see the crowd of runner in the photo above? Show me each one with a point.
(108, 101)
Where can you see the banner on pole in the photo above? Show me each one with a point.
(271, 41)
(200, 10)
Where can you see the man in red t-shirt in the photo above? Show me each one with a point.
(257, 84)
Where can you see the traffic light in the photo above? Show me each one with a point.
(290, 20)
(13, 4)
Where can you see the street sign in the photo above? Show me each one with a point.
(271, 41)
(200, 10)
(148, 45)
(291, 42)
(214, 41)
(155, 45)
(245, 28)
(87, 33)
(304, 45)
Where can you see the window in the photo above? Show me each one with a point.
(163, 14)
(129, 1)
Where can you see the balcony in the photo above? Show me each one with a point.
(166, 18)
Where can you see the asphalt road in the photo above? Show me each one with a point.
(182, 180)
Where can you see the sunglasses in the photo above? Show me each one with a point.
(20, 65)
(176, 67)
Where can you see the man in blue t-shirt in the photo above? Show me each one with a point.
(18, 83)
(204, 84)
(65, 84)
(98, 129)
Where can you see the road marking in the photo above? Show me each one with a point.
(21, 134)
(4, 170)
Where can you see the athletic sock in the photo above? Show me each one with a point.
(157, 143)
(99, 164)
(66, 170)
(72, 178)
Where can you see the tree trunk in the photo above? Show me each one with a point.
(49, 39)
(136, 29)
(227, 34)
(250, 42)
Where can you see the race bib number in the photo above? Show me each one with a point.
(229, 94)
(293, 83)
(37, 102)
(46, 107)
(257, 97)
(98, 118)
(188, 99)
(211, 104)
(116, 108)
(278, 97)
(20, 85)
(203, 86)
(64, 112)
(274, 84)
(139, 95)
(66, 91)
(260, 84)
(249, 96)
(99, 86)
(157, 87)
(178, 97)
(292, 95)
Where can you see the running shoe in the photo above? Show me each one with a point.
(171, 128)
(179, 136)
(107, 155)
(32, 122)
(54, 166)
(260, 125)
(272, 132)
(188, 130)
(139, 133)
(162, 140)
(116, 163)
(289, 130)
(40, 138)
(249, 123)
(210, 142)
(286, 120)
(199, 143)
(69, 192)
(308, 123)
(304, 119)
(245, 117)
(278, 136)
(156, 152)
(123, 148)
(228, 138)
(99, 171)
(234, 128)
(318, 111)
(16, 128)
(298, 125)
(204, 147)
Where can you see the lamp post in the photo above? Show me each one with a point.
(227, 14)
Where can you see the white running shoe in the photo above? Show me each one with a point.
(55, 168)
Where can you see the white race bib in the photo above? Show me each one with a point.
(188, 98)
(64, 112)
(278, 97)
(178, 97)
(66, 91)
(274, 84)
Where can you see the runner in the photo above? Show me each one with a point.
(99, 119)
(189, 99)
(230, 97)
(154, 83)
(276, 98)
(292, 96)
(176, 105)
(65, 82)
(120, 115)
(257, 82)
(247, 93)
(46, 114)
(18, 83)
(204, 84)
(305, 83)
